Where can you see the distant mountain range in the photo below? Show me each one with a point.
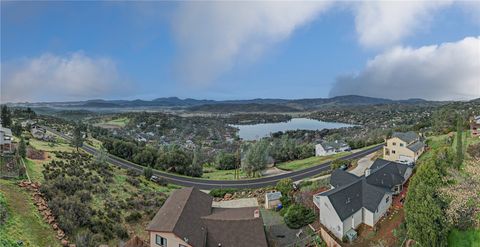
(252, 105)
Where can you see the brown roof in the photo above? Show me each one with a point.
(181, 214)
(234, 227)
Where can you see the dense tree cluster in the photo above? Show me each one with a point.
(6, 117)
(286, 149)
(424, 208)
(172, 158)
(226, 161)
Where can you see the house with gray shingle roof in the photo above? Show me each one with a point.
(355, 200)
(326, 148)
(6, 139)
(404, 146)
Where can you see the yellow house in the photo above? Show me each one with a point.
(404, 146)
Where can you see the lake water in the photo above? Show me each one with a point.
(256, 131)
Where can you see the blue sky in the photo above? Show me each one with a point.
(54, 51)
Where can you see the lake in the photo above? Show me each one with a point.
(251, 132)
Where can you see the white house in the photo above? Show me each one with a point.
(355, 200)
(326, 148)
(6, 139)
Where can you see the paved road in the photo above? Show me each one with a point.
(212, 184)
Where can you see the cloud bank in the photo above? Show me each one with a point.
(214, 36)
(53, 77)
(380, 24)
(449, 71)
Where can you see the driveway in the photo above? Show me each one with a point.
(362, 165)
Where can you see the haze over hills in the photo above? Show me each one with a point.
(225, 106)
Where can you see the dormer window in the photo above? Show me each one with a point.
(348, 200)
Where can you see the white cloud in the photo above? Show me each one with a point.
(380, 24)
(449, 71)
(53, 77)
(214, 36)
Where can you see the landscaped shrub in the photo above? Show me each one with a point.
(221, 192)
(133, 217)
(298, 216)
(147, 172)
(338, 163)
(285, 186)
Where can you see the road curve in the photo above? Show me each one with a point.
(212, 184)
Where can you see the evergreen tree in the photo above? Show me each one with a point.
(196, 170)
(17, 129)
(77, 140)
(22, 148)
(6, 117)
(256, 158)
(424, 209)
(459, 148)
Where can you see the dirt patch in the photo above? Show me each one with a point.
(383, 230)
(35, 154)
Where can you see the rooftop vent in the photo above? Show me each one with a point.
(367, 172)
(256, 213)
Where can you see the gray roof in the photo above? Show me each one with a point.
(351, 193)
(274, 195)
(333, 145)
(6, 131)
(416, 146)
(407, 137)
(340, 177)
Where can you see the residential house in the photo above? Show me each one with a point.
(404, 146)
(354, 200)
(6, 139)
(272, 199)
(187, 218)
(27, 123)
(326, 148)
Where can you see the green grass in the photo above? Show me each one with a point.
(60, 145)
(34, 170)
(120, 122)
(309, 162)
(469, 238)
(215, 174)
(24, 222)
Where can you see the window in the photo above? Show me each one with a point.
(394, 143)
(393, 151)
(387, 199)
(160, 241)
(401, 144)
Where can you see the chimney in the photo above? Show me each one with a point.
(256, 213)
(367, 172)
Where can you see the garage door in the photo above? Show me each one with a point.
(405, 158)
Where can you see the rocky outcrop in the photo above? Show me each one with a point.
(42, 206)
